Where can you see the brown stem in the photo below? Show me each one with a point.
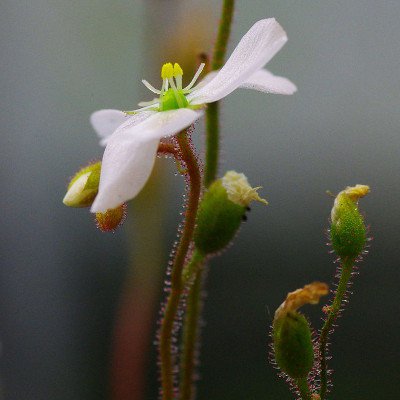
(167, 148)
(167, 325)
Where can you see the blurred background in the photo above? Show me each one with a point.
(63, 281)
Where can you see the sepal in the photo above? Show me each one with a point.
(222, 211)
(84, 186)
(111, 219)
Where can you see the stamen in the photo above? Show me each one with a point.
(150, 87)
(196, 75)
(178, 80)
(167, 71)
(177, 70)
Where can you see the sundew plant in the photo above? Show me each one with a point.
(217, 202)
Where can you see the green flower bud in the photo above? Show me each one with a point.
(83, 187)
(222, 210)
(348, 232)
(291, 332)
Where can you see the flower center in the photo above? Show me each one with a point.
(172, 100)
(171, 96)
(174, 97)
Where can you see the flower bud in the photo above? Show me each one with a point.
(83, 187)
(348, 232)
(111, 219)
(222, 210)
(291, 332)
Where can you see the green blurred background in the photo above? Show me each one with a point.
(61, 278)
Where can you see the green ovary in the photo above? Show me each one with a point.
(172, 100)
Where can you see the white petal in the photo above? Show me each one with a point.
(105, 122)
(130, 153)
(264, 81)
(208, 78)
(264, 39)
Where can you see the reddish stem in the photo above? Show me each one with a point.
(167, 148)
(167, 358)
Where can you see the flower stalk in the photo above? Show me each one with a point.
(169, 318)
(191, 337)
(334, 309)
(304, 388)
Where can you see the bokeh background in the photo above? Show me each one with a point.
(62, 279)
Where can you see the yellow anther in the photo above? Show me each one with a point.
(167, 71)
(177, 70)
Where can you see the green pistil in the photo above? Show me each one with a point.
(169, 100)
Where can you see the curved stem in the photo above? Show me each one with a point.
(334, 309)
(167, 325)
(304, 389)
(191, 337)
(212, 112)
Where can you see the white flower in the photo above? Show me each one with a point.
(132, 138)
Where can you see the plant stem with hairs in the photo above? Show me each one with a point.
(193, 308)
(304, 388)
(169, 319)
(334, 309)
(191, 337)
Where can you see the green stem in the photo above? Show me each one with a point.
(212, 143)
(192, 267)
(224, 31)
(212, 113)
(167, 325)
(334, 309)
(304, 389)
(191, 336)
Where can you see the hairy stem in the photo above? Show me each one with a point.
(167, 358)
(212, 113)
(192, 267)
(334, 309)
(191, 337)
(167, 148)
(304, 389)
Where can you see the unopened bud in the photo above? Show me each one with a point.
(348, 231)
(222, 210)
(111, 219)
(291, 332)
(83, 187)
